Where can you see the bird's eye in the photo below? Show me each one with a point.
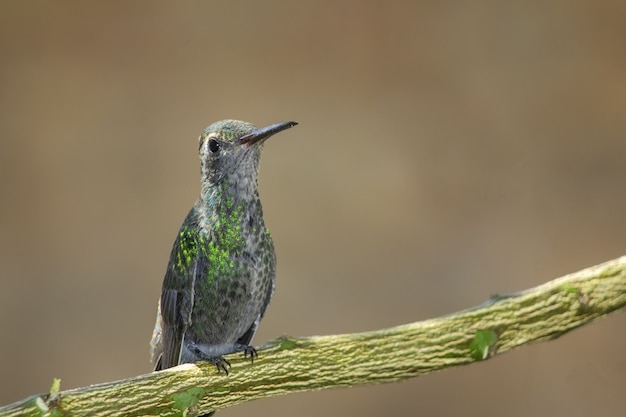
(214, 145)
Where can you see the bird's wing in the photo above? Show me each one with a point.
(156, 343)
(178, 294)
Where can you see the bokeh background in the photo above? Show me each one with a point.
(446, 151)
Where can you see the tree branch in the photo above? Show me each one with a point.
(288, 365)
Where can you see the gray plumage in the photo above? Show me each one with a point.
(220, 276)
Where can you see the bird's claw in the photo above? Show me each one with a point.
(221, 364)
(250, 351)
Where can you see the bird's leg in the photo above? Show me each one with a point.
(215, 353)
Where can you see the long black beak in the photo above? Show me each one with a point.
(263, 133)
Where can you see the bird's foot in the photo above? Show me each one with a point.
(221, 364)
(250, 351)
(215, 354)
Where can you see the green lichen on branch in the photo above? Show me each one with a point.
(288, 365)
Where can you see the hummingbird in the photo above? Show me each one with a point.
(220, 276)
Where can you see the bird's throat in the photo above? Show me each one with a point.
(228, 213)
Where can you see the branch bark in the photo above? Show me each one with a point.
(288, 365)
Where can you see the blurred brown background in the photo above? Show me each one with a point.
(445, 152)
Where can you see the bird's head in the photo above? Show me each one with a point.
(230, 150)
